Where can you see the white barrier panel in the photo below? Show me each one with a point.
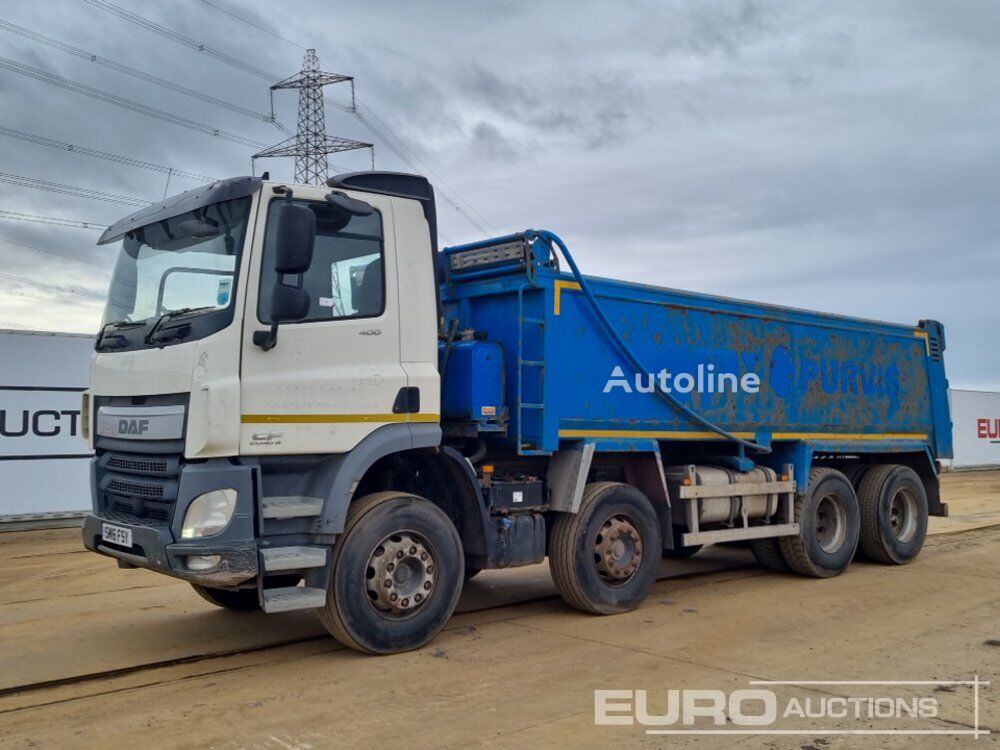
(44, 463)
(975, 419)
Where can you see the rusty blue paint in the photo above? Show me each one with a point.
(822, 376)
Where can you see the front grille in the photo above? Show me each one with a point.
(138, 464)
(140, 487)
(129, 487)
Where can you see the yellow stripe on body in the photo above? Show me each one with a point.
(335, 418)
(698, 435)
(559, 285)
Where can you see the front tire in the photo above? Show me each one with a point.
(242, 600)
(893, 505)
(396, 574)
(604, 558)
(829, 522)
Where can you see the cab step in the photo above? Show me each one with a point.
(292, 558)
(293, 597)
(291, 507)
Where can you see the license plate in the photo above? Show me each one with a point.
(116, 535)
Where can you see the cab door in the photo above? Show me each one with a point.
(334, 377)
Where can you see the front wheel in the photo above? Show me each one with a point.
(604, 558)
(396, 574)
(243, 600)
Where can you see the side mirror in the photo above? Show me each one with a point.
(295, 239)
(288, 304)
(349, 206)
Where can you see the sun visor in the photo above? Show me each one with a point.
(214, 192)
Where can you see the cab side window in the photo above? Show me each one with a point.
(347, 275)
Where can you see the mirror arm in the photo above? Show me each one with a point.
(266, 340)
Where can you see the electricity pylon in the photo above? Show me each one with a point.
(310, 145)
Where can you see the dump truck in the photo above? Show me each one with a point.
(298, 401)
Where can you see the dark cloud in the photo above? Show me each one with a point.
(837, 157)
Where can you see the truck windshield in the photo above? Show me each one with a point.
(185, 263)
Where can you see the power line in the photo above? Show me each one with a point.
(124, 103)
(54, 220)
(181, 39)
(254, 70)
(256, 25)
(142, 75)
(41, 140)
(49, 251)
(58, 288)
(58, 187)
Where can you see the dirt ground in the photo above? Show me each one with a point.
(92, 656)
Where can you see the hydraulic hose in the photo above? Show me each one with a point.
(667, 398)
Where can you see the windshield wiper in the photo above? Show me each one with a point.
(156, 336)
(104, 340)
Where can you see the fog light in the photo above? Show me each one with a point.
(203, 562)
(209, 514)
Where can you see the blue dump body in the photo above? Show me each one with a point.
(824, 383)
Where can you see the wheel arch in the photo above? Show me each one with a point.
(443, 476)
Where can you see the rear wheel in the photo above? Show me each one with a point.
(828, 519)
(604, 557)
(768, 554)
(244, 600)
(893, 505)
(396, 574)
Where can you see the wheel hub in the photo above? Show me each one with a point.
(903, 515)
(831, 523)
(401, 573)
(618, 550)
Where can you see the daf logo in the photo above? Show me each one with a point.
(133, 426)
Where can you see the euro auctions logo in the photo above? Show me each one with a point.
(801, 707)
(988, 429)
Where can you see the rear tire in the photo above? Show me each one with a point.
(604, 558)
(768, 554)
(396, 574)
(829, 522)
(242, 600)
(893, 505)
(680, 552)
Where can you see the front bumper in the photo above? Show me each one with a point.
(150, 494)
(154, 548)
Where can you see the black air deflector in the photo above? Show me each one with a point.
(398, 184)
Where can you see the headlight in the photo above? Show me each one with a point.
(209, 514)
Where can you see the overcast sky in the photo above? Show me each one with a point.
(835, 156)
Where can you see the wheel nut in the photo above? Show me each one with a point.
(393, 597)
(430, 568)
(418, 598)
(427, 586)
(388, 583)
(390, 567)
(399, 555)
(413, 550)
(423, 555)
(405, 602)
